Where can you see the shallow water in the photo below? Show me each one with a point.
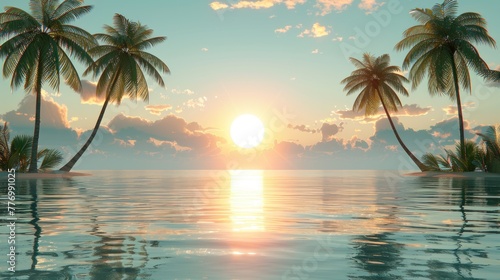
(254, 225)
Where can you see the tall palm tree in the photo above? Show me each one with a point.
(378, 82)
(37, 47)
(121, 62)
(441, 47)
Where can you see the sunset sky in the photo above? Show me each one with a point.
(281, 60)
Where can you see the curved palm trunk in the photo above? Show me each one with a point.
(36, 134)
(459, 108)
(78, 155)
(420, 165)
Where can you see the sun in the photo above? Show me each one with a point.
(247, 131)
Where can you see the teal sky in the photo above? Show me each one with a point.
(285, 55)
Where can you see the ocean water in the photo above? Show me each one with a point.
(253, 224)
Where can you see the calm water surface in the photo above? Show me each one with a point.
(255, 225)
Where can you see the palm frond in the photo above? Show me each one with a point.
(50, 158)
(431, 162)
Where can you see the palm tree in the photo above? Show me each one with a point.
(121, 63)
(378, 82)
(37, 47)
(441, 47)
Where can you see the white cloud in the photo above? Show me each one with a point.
(88, 94)
(184, 92)
(158, 109)
(452, 109)
(196, 102)
(327, 6)
(316, 31)
(406, 110)
(370, 5)
(283, 30)
(218, 6)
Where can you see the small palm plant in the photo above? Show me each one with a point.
(491, 139)
(17, 155)
(453, 161)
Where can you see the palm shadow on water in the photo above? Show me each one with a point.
(377, 254)
(454, 248)
(110, 256)
(114, 256)
(466, 194)
(28, 224)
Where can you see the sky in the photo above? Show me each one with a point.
(280, 60)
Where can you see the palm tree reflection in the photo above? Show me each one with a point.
(378, 255)
(247, 203)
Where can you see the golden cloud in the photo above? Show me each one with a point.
(327, 6)
(218, 6)
(316, 31)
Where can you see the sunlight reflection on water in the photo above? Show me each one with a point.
(247, 202)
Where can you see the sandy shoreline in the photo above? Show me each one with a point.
(46, 175)
(435, 174)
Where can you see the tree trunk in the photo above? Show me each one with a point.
(459, 108)
(36, 134)
(420, 165)
(73, 161)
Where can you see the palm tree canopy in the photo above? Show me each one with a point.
(441, 36)
(122, 60)
(376, 79)
(37, 44)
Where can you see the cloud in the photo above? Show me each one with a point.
(286, 148)
(169, 128)
(283, 30)
(196, 102)
(53, 114)
(316, 31)
(370, 5)
(158, 109)
(446, 132)
(316, 51)
(384, 140)
(328, 147)
(88, 94)
(183, 92)
(303, 128)
(406, 110)
(451, 110)
(324, 6)
(338, 39)
(328, 131)
(356, 143)
(218, 6)
(204, 49)
(260, 4)
(327, 6)
(55, 130)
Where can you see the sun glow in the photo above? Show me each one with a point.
(247, 131)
